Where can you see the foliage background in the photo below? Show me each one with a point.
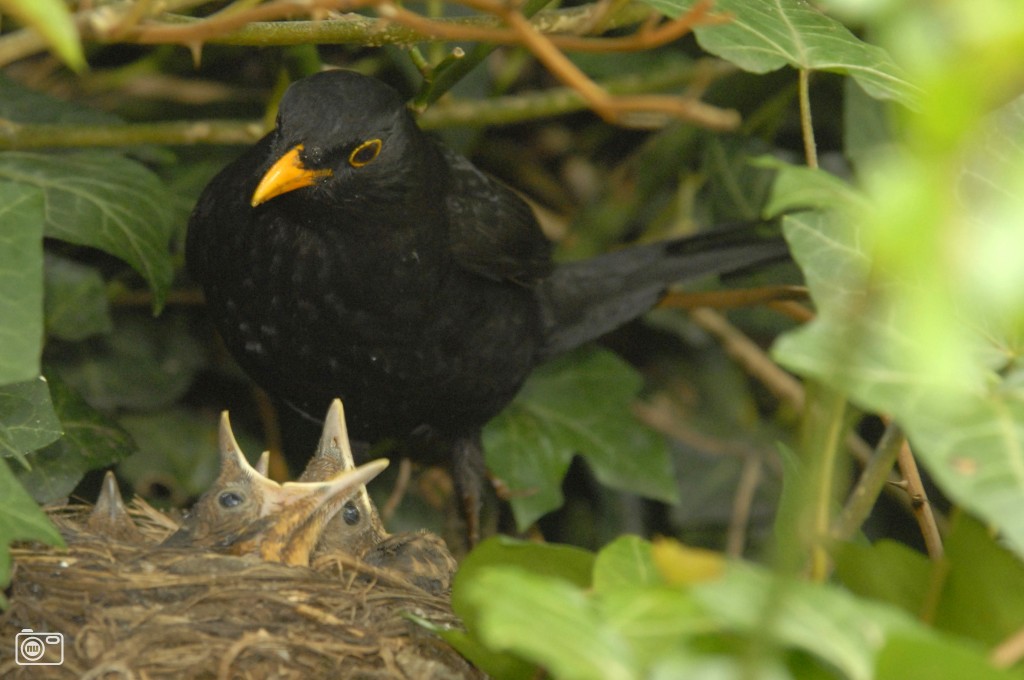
(888, 132)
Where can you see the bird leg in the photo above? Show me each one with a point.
(468, 472)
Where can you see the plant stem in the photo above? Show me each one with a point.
(54, 136)
(496, 111)
(806, 124)
(919, 502)
(872, 480)
(824, 424)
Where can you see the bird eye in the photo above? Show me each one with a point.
(365, 153)
(350, 513)
(230, 499)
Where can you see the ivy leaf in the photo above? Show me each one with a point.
(90, 441)
(143, 365)
(20, 520)
(25, 105)
(565, 563)
(27, 419)
(21, 282)
(550, 621)
(75, 305)
(626, 562)
(102, 200)
(576, 404)
(765, 36)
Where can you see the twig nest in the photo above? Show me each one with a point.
(135, 609)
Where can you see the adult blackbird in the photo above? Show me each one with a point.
(246, 513)
(348, 253)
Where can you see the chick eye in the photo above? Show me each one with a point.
(350, 513)
(230, 499)
(365, 153)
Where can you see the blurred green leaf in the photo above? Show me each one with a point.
(822, 620)
(20, 520)
(765, 36)
(53, 21)
(576, 404)
(915, 658)
(102, 200)
(978, 600)
(886, 571)
(27, 419)
(177, 453)
(568, 563)
(90, 441)
(559, 561)
(24, 105)
(625, 563)
(75, 303)
(21, 282)
(656, 622)
(968, 428)
(548, 620)
(144, 364)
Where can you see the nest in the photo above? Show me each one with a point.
(133, 609)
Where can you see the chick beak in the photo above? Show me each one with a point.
(286, 174)
(307, 507)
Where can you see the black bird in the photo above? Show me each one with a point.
(348, 253)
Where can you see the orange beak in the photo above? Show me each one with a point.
(286, 174)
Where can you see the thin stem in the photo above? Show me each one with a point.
(919, 502)
(495, 111)
(806, 125)
(37, 136)
(825, 422)
(873, 480)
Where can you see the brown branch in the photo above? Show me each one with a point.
(751, 357)
(730, 299)
(919, 502)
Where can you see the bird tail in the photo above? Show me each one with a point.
(584, 300)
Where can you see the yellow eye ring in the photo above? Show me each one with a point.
(365, 153)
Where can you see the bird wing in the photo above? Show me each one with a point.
(493, 232)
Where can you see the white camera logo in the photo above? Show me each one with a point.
(30, 648)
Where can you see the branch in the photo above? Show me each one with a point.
(450, 113)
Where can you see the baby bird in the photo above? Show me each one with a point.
(244, 512)
(421, 557)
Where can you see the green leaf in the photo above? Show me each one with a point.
(886, 571)
(655, 621)
(90, 441)
(144, 365)
(20, 520)
(577, 404)
(177, 453)
(53, 21)
(27, 418)
(915, 658)
(977, 599)
(765, 36)
(566, 562)
(25, 105)
(799, 187)
(549, 621)
(75, 304)
(21, 282)
(821, 620)
(102, 200)
(626, 562)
